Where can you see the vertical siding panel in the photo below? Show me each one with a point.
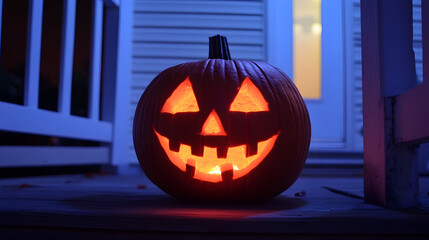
(95, 67)
(357, 80)
(32, 65)
(417, 38)
(67, 50)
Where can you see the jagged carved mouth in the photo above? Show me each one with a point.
(209, 167)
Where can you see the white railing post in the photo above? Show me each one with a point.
(32, 65)
(123, 79)
(66, 62)
(117, 77)
(95, 65)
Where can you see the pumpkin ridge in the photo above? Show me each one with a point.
(295, 101)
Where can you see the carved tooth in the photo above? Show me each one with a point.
(222, 151)
(227, 172)
(197, 149)
(251, 149)
(174, 145)
(190, 167)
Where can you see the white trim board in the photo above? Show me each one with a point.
(28, 156)
(46, 122)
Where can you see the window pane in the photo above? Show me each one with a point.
(307, 31)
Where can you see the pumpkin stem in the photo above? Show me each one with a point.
(218, 46)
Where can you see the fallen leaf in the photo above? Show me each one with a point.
(141, 186)
(102, 173)
(24, 185)
(300, 194)
(88, 175)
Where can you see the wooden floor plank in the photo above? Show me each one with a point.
(132, 206)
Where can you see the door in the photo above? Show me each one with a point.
(305, 39)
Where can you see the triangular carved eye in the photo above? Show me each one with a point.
(249, 99)
(181, 100)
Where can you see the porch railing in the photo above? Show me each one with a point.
(106, 122)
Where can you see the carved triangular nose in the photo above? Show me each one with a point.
(213, 126)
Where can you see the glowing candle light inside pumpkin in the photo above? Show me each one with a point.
(213, 126)
(208, 167)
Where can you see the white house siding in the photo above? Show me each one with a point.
(417, 38)
(357, 77)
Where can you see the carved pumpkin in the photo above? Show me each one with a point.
(222, 130)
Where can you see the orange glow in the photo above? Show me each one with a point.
(213, 125)
(249, 99)
(209, 167)
(181, 100)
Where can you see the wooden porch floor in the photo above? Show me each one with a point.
(322, 204)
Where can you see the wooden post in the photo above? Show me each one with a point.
(390, 170)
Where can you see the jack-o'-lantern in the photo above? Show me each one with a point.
(222, 130)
